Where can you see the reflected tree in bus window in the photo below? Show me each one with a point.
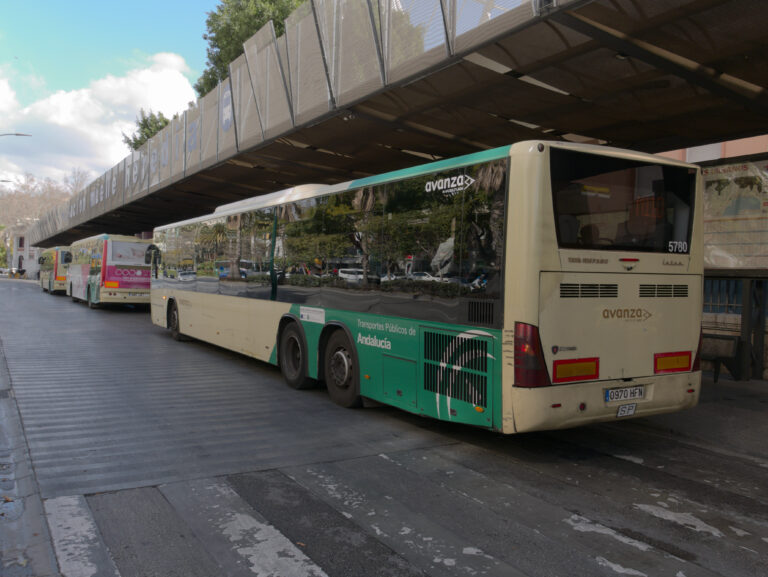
(228, 255)
(166, 241)
(482, 244)
(296, 249)
(255, 253)
(186, 247)
(212, 238)
(96, 248)
(338, 243)
(442, 232)
(365, 233)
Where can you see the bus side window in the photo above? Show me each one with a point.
(152, 257)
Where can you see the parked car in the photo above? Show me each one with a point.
(356, 276)
(423, 276)
(391, 277)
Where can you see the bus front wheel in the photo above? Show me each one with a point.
(342, 375)
(173, 322)
(293, 358)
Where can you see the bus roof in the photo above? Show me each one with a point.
(305, 191)
(105, 236)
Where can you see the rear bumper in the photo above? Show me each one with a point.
(573, 405)
(124, 296)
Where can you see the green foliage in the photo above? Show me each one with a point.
(3, 250)
(229, 26)
(147, 125)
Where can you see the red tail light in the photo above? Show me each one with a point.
(530, 367)
(697, 358)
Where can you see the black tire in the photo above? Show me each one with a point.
(292, 354)
(173, 322)
(341, 371)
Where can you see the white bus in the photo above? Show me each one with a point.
(54, 263)
(536, 286)
(109, 269)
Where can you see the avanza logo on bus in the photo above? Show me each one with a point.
(450, 185)
(627, 314)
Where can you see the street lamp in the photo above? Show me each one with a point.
(14, 134)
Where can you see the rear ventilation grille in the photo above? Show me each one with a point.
(480, 312)
(663, 291)
(574, 291)
(457, 366)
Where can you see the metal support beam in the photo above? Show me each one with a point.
(744, 360)
(739, 91)
(758, 328)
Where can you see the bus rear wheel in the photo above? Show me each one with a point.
(342, 374)
(293, 358)
(91, 304)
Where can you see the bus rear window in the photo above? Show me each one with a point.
(128, 253)
(606, 203)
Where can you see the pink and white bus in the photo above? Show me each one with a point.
(109, 269)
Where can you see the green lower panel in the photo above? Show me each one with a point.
(445, 372)
(399, 382)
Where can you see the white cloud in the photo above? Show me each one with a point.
(83, 128)
(8, 102)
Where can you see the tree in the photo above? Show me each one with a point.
(229, 26)
(76, 180)
(147, 125)
(3, 250)
(24, 201)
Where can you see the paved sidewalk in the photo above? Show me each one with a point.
(26, 549)
(732, 416)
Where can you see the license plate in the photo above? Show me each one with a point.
(626, 410)
(625, 394)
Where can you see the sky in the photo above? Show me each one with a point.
(74, 75)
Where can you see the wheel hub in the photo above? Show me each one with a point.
(294, 353)
(341, 367)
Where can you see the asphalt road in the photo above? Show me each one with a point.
(125, 453)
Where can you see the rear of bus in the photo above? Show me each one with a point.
(604, 286)
(124, 275)
(53, 269)
(62, 258)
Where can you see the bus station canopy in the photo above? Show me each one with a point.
(359, 88)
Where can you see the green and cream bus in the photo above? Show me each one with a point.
(53, 269)
(536, 286)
